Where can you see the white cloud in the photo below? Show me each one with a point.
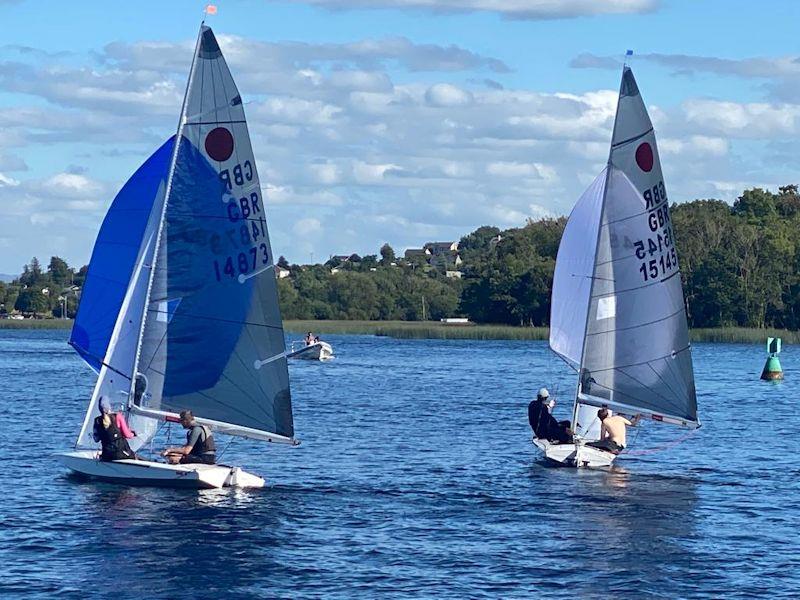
(6, 181)
(446, 95)
(752, 120)
(361, 142)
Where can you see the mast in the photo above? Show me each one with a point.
(594, 269)
(173, 161)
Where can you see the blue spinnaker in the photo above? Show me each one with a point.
(114, 257)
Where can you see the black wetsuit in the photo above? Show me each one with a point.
(114, 444)
(545, 426)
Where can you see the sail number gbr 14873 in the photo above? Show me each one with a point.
(657, 251)
(242, 243)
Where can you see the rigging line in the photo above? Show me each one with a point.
(629, 140)
(616, 260)
(165, 408)
(250, 372)
(221, 403)
(677, 312)
(569, 364)
(225, 449)
(209, 317)
(253, 400)
(644, 362)
(639, 287)
(669, 401)
(671, 366)
(672, 444)
(666, 383)
(100, 361)
(646, 211)
(634, 398)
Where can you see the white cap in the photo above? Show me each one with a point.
(543, 393)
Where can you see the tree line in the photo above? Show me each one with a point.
(740, 266)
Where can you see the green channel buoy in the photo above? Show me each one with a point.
(772, 369)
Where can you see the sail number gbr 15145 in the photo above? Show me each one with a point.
(657, 251)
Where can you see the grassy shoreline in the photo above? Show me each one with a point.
(435, 330)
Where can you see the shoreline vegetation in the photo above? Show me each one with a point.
(439, 331)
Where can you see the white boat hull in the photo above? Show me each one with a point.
(148, 473)
(575, 454)
(316, 351)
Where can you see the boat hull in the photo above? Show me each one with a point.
(576, 455)
(316, 351)
(147, 473)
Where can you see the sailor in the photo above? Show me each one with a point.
(309, 339)
(544, 424)
(612, 431)
(113, 433)
(199, 446)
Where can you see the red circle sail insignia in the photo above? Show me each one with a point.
(644, 157)
(219, 144)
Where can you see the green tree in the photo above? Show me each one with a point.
(387, 255)
(32, 300)
(59, 272)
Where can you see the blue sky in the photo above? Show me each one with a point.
(408, 122)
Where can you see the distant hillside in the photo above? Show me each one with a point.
(7, 278)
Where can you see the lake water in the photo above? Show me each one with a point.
(416, 478)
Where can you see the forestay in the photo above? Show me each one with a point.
(636, 355)
(212, 339)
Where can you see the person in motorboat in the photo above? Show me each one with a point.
(199, 448)
(309, 339)
(113, 433)
(612, 431)
(543, 423)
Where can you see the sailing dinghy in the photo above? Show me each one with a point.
(180, 306)
(315, 351)
(617, 307)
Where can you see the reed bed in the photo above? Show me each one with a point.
(434, 330)
(439, 331)
(743, 335)
(36, 324)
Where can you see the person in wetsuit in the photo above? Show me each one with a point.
(199, 448)
(543, 423)
(111, 430)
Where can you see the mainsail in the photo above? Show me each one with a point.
(618, 311)
(212, 338)
(180, 307)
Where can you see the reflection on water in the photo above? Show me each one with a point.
(416, 478)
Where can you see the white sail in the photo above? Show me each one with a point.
(573, 274)
(636, 355)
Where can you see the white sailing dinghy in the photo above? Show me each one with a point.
(617, 314)
(180, 306)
